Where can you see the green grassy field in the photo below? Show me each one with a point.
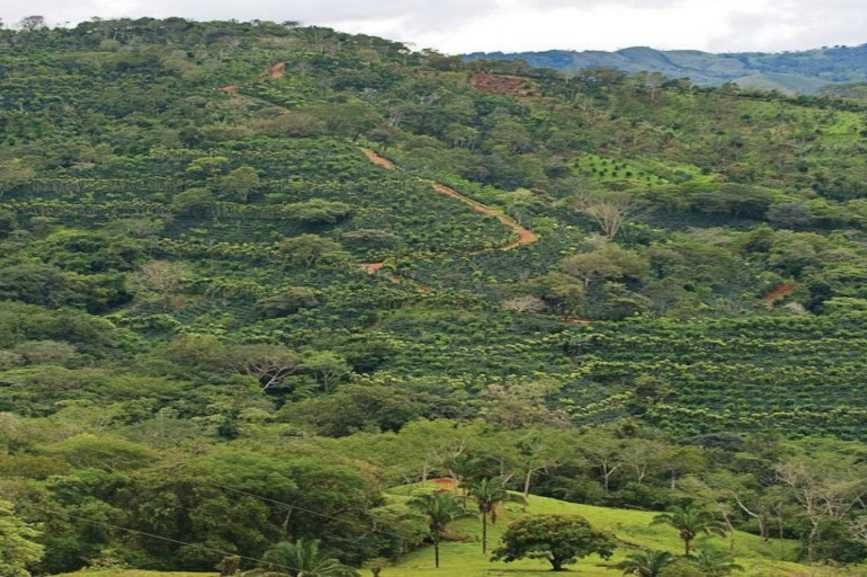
(463, 556)
(632, 529)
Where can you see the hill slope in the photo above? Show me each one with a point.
(795, 72)
(302, 266)
(631, 528)
(462, 557)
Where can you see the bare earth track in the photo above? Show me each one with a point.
(525, 235)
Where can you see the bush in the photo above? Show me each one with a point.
(288, 301)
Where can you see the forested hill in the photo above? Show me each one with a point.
(247, 261)
(804, 72)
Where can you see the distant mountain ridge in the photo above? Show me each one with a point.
(806, 72)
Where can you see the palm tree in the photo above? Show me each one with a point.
(690, 521)
(645, 563)
(303, 558)
(441, 508)
(489, 493)
(715, 563)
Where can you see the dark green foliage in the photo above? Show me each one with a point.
(561, 540)
(288, 301)
(213, 304)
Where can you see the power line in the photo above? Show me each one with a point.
(273, 501)
(166, 539)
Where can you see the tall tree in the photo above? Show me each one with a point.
(690, 521)
(827, 482)
(489, 494)
(440, 508)
(608, 209)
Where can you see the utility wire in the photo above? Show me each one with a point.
(165, 539)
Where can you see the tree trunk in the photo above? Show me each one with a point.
(437, 553)
(811, 542)
(527, 478)
(484, 534)
(557, 564)
(764, 530)
(687, 546)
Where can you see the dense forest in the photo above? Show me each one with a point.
(259, 280)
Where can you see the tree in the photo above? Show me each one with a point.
(310, 249)
(240, 182)
(18, 548)
(328, 368)
(32, 23)
(690, 521)
(643, 456)
(559, 539)
(13, 173)
(440, 508)
(489, 494)
(350, 119)
(288, 301)
(269, 364)
(715, 562)
(827, 481)
(208, 166)
(608, 209)
(605, 261)
(645, 563)
(304, 558)
(194, 202)
(539, 450)
(160, 280)
(317, 211)
(605, 452)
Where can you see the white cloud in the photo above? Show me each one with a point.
(510, 25)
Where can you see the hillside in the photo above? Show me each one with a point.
(856, 91)
(790, 72)
(254, 276)
(462, 557)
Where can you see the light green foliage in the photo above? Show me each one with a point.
(223, 324)
(19, 550)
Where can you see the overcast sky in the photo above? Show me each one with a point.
(513, 25)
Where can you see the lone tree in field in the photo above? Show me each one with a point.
(440, 510)
(489, 494)
(558, 539)
(690, 521)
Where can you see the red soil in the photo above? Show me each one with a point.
(525, 236)
(378, 160)
(230, 89)
(779, 293)
(277, 70)
(502, 84)
(445, 485)
(373, 268)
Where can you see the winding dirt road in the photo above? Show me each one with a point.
(525, 235)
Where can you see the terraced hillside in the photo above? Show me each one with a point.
(304, 267)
